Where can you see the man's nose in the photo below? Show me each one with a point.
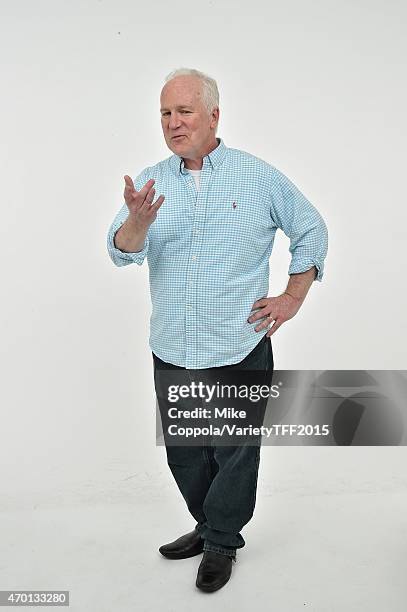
(174, 121)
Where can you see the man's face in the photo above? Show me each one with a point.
(183, 114)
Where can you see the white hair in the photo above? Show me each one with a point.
(210, 93)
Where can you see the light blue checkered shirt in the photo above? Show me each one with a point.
(208, 252)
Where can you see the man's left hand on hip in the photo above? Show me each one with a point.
(277, 310)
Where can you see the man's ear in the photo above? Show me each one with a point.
(215, 115)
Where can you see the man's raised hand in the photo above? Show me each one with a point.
(140, 203)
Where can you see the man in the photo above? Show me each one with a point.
(208, 238)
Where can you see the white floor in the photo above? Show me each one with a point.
(329, 534)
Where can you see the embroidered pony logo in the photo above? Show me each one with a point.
(234, 205)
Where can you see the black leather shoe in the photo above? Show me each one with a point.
(188, 545)
(214, 571)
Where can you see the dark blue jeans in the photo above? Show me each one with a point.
(218, 482)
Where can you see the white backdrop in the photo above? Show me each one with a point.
(315, 88)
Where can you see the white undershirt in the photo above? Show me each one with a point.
(196, 174)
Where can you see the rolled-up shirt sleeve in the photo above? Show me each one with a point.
(121, 258)
(301, 222)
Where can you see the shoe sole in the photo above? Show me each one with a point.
(211, 589)
(174, 556)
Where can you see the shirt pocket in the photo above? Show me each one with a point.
(237, 219)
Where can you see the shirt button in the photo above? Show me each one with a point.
(189, 306)
(193, 257)
(196, 231)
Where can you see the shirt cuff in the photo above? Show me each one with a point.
(296, 267)
(121, 258)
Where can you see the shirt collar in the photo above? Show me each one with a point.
(214, 159)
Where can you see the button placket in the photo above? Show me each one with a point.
(191, 321)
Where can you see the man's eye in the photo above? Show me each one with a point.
(183, 111)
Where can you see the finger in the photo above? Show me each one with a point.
(150, 196)
(148, 200)
(264, 323)
(129, 181)
(144, 190)
(129, 190)
(258, 315)
(144, 204)
(274, 328)
(260, 303)
(158, 202)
